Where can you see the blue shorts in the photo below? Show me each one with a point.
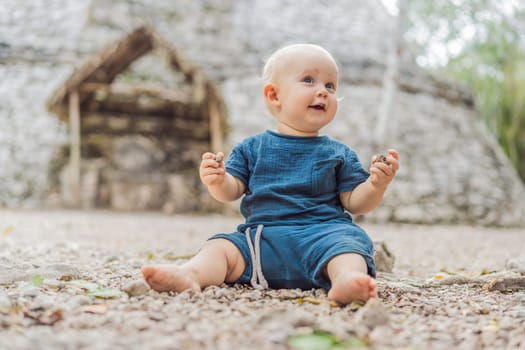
(296, 256)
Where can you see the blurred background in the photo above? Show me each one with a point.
(110, 104)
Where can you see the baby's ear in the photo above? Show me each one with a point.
(270, 94)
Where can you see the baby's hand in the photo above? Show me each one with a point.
(212, 171)
(383, 169)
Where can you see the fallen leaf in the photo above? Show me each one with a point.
(322, 340)
(312, 300)
(66, 278)
(8, 230)
(315, 301)
(36, 282)
(94, 290)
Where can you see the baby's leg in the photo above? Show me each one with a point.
(349, 278)
(217, 262)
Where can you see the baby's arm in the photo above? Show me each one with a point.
(369, 194)
(222, 186)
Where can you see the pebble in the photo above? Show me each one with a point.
(410, 313)
(516, 264)
(136, 288)
(371, 315)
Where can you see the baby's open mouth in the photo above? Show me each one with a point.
(320, 107)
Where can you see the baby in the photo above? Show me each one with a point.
(298, 189)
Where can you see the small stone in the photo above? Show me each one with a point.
(516, 264)
(136, 288)
(379, 158)
(383, 258)
(373, 314)
(112, 260)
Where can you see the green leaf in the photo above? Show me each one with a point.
(94, 290)
(321, 340)
(37, 281)
(314, 341)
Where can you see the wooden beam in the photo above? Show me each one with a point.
(74, 139)
(134, 90)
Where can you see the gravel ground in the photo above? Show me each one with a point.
(70, 280)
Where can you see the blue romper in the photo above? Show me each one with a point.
(295, 222)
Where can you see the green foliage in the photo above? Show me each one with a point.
(485, 50)
(36, 282)
(94, 290)
(321, 340)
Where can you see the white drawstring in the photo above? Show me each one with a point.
(258, 281)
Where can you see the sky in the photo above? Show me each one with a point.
(391, 6)
(439, 51)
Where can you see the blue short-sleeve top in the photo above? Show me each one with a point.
(293, 180)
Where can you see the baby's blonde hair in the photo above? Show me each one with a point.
(272, 61)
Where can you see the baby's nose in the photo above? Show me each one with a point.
(322, 93)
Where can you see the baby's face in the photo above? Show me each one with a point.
(306, 84)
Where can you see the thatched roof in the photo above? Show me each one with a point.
(101, 69)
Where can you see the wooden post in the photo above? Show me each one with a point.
(386, 113)
(74, 139)
(215, 126)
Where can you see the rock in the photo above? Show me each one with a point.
(383, 258)
(516, 264)
(371, 315)
(510, 284)
(136, 288)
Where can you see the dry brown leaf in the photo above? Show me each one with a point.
(315, 301)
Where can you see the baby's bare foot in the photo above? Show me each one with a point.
(352, 285)
(165, 278)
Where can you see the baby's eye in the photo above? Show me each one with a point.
(330, 86)
(308, 80)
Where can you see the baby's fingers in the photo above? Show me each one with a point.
(217, 157)
(210, 176)
(393, 159)
(382, 168)
(393, 153)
